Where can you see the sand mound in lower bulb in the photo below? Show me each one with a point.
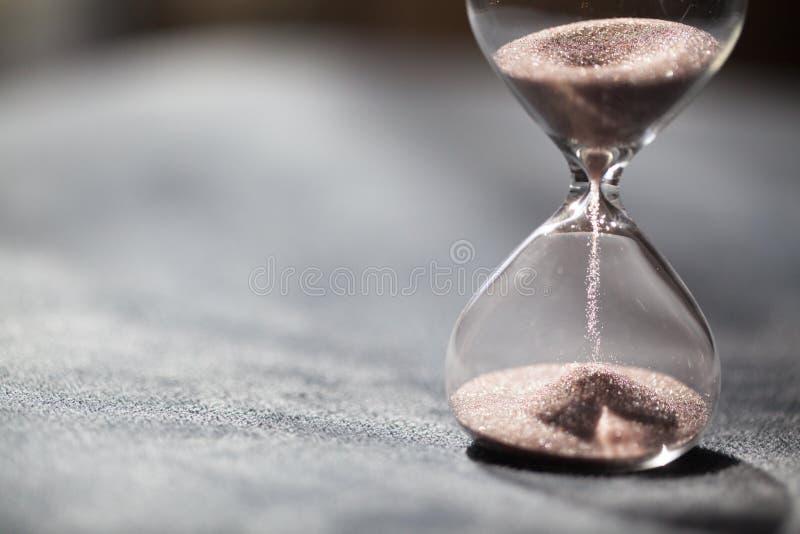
(594, 412)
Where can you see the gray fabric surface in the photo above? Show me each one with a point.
(145, 388)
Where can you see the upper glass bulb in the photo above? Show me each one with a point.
(605, 73)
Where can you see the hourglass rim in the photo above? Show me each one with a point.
(554, 462)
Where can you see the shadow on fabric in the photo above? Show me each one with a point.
(703, 489)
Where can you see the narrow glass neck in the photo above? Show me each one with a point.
(600, 168)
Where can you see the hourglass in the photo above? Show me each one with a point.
(614, 365)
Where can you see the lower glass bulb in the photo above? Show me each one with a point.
(608, 360)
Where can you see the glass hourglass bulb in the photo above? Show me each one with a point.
(614, 364)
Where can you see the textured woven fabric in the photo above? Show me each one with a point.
(148, 383)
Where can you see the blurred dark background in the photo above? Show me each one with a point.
(37, 28)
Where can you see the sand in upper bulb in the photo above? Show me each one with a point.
(603, 83)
